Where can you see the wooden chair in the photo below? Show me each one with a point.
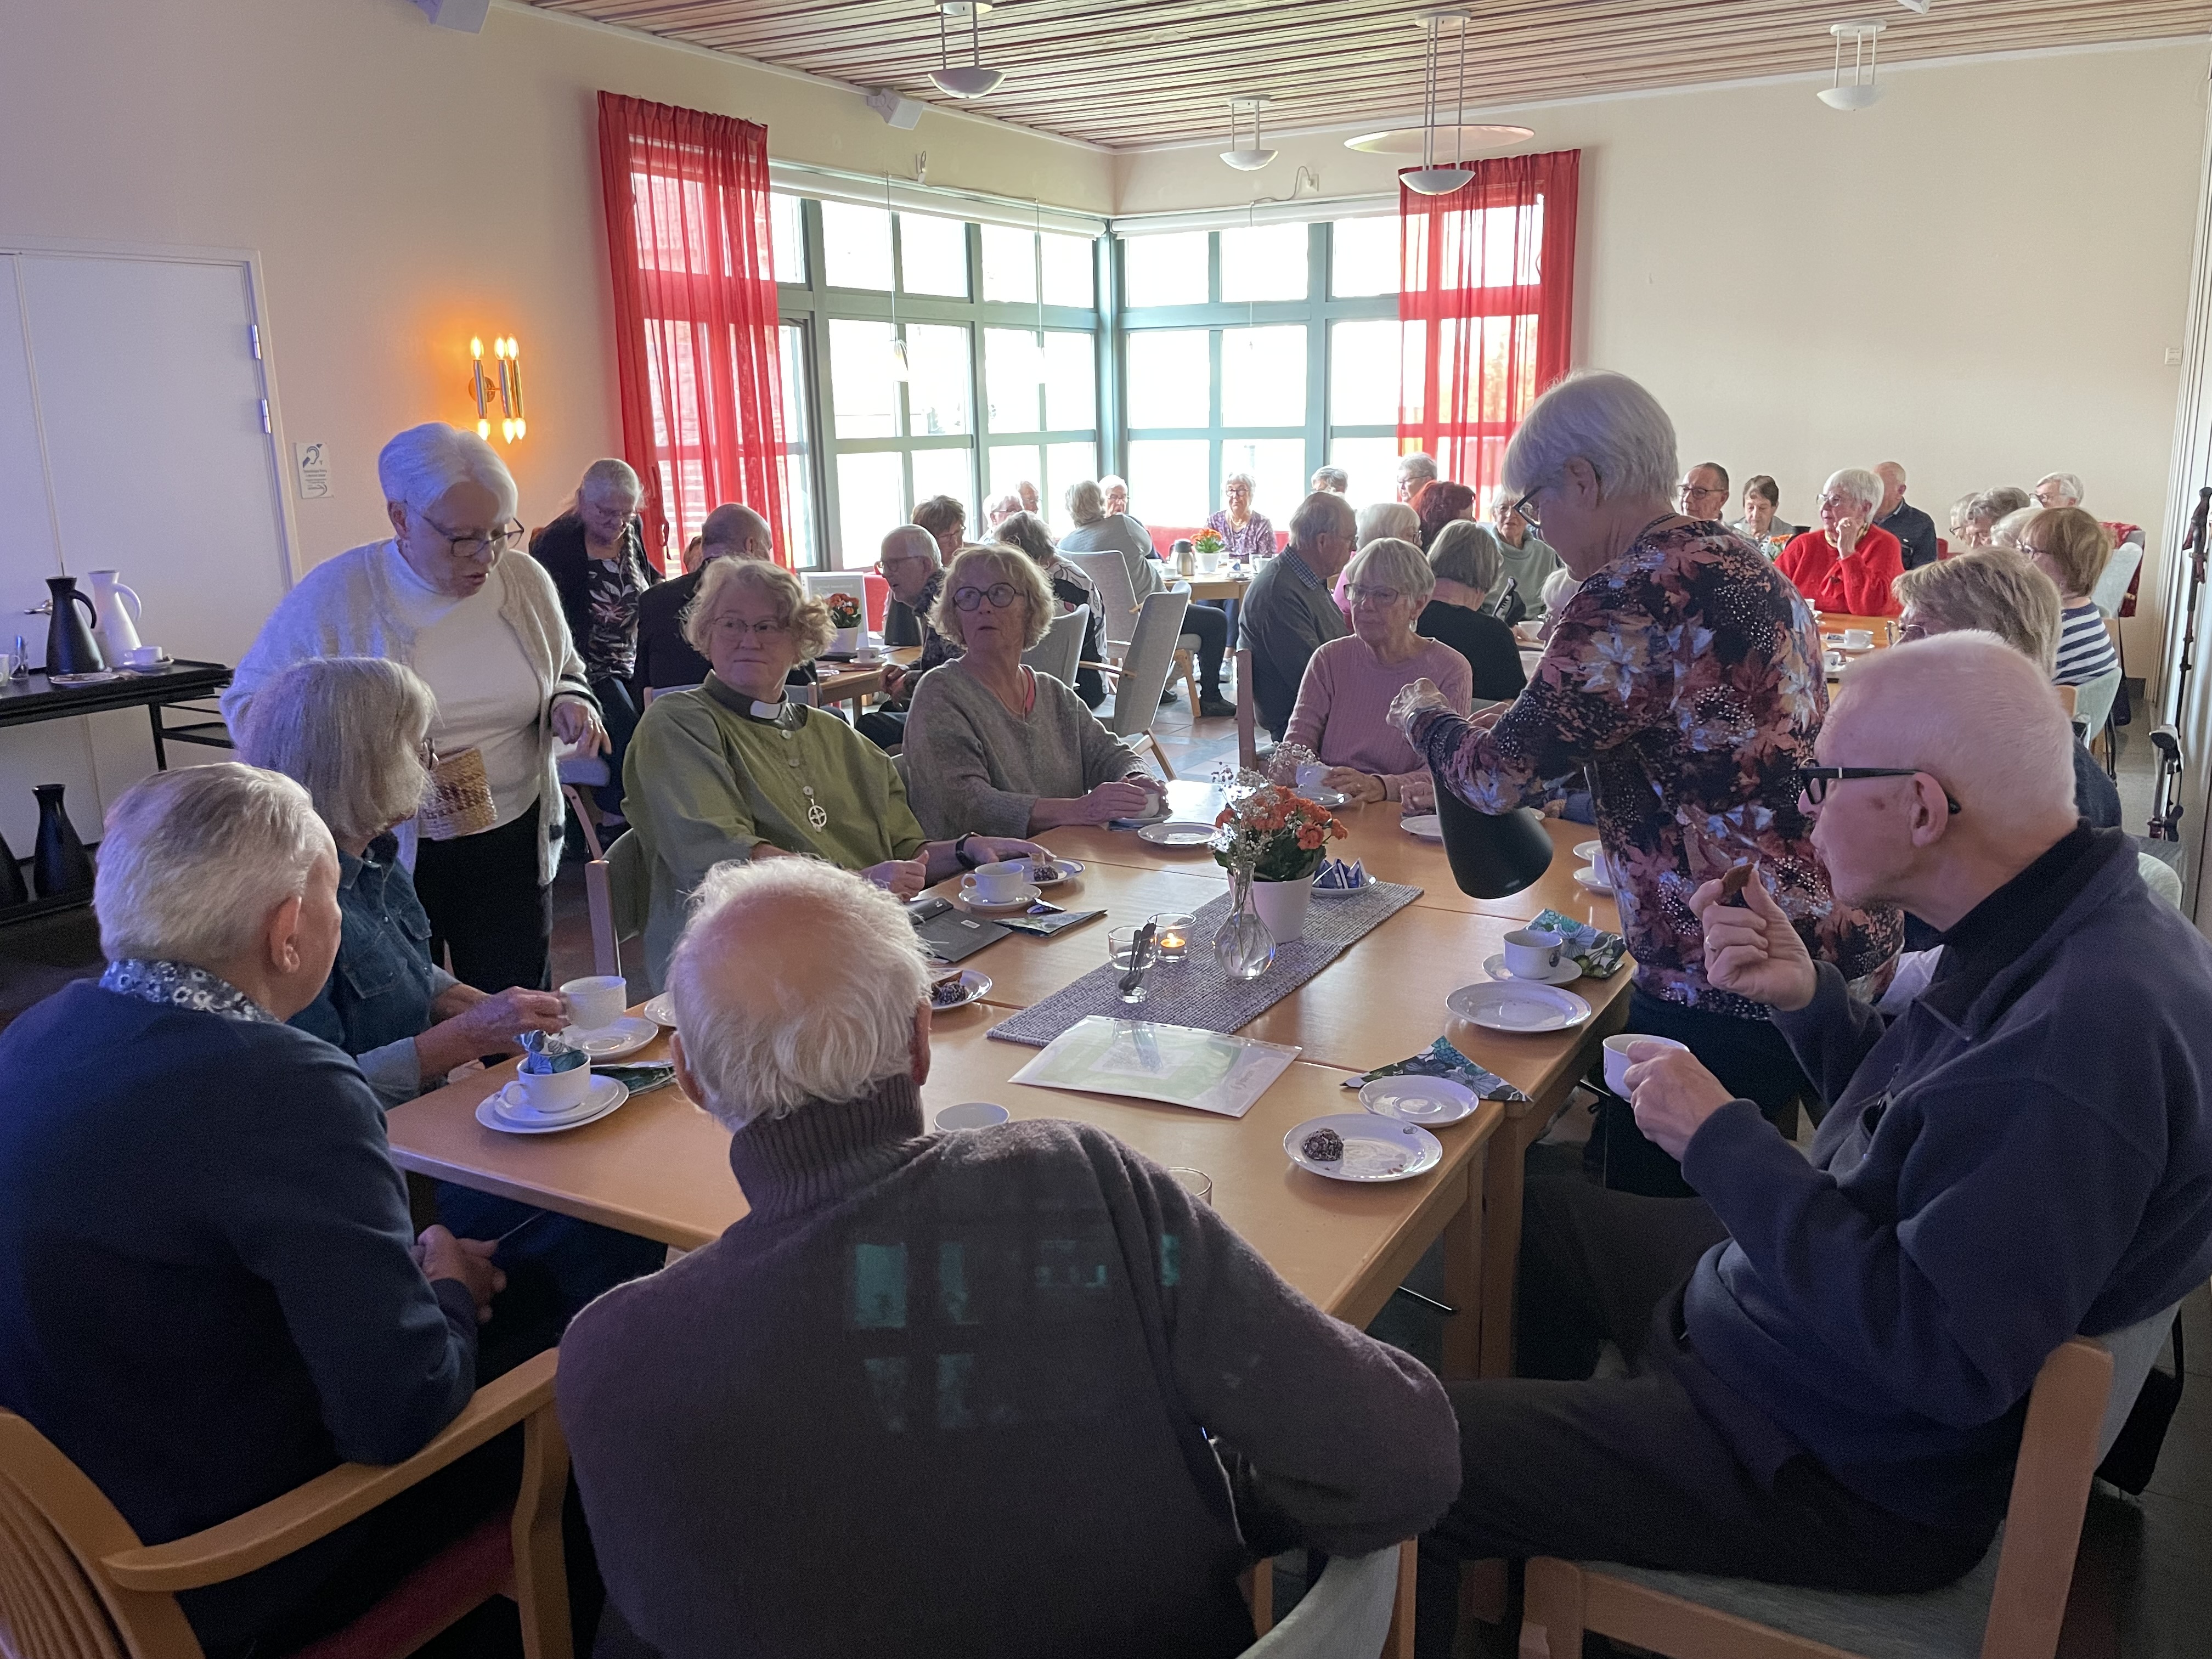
(618, 896)
(76, 1584)
(1360, 1607)
(1248, 717)
(2010, 1606)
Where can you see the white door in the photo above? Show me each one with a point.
(132, 439)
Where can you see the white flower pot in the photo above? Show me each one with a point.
(845, 639)
(1283, 905)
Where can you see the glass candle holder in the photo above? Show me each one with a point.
(1172, 933)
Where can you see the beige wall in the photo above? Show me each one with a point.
(1979, 276)
(406, 186)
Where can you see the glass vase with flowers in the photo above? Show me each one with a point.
(1271, 841)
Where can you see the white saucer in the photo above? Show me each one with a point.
(1374, 1148)
(1024, 895)
(1320, 891)
(1588, 877)
(1426, 826)
(504, 1111)
(1413, 1098)
(1329, 799)
(973, 986)
(1587, 851)
(1176, 832)
(624, 1036)
(662, 1009)
(1566, 973)
(1518, 1005)
(1067, 870)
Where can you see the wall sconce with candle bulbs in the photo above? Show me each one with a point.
(505, 382)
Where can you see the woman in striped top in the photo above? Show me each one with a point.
(2071, 548)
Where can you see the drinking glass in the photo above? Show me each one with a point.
(1196, 1183)
(1122, 950)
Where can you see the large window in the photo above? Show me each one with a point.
(1265, 349)
(942, 358)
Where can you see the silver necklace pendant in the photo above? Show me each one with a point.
(815, 815)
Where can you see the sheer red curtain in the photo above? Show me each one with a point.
(1487, 301)
(696, 346)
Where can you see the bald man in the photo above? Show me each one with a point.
(1834, 1352)
(987, 1363)
(666, 661)
(1914, 530)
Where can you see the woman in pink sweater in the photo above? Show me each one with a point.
(1344, 700)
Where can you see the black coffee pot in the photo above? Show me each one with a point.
(70, 647)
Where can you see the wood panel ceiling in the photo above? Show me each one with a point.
(1130, 72)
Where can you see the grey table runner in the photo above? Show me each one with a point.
(1195, 992)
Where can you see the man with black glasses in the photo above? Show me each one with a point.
(1831, 1355)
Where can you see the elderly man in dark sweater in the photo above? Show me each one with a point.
(1288, 613)
(1834, 1355)
(214, 1291)
(953, 1393)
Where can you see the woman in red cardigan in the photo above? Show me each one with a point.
(1847, 565)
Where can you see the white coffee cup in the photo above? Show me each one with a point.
(1601, 868)
(1001, 883)
(1311, 774)
(972, 1114)
(549, 1094)
(1617, 1061)
(144, 656)
(1532, 952)
(597, 1001)
(1858, 639)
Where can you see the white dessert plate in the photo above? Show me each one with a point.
(662, 1009)
(506, 1111)
(624, 1036)
(1588, 877)
(972, 985)
(1374, 1148)
(1518, 1005)
(1176, 832)
(1425, 826)
(1022, 896)
(1413, 1098)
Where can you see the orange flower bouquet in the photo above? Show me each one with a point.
(1273, 834)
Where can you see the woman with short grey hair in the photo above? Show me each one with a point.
(1246, 534)
(1468, 563)
(486, 633)
(1848, 565)
(1986, 511)
(1330, 477)
(993, 745)
(1684, 676)
(1100, 531)
(1393, 518)
(351, 731)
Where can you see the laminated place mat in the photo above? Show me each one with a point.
(1195, 992)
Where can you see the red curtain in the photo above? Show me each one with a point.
(1487, 301)
(701, 381)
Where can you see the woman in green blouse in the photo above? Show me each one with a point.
(734, 770)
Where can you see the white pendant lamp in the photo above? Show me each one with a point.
(1237, 156)
(1861, 89)
(970, 79)
(1428, 179)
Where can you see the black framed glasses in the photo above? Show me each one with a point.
(1814, 780)
(477, 547)
(1000, 594)
(1525, 510)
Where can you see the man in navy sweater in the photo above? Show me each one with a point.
(1831, 1357)
(212, 1290)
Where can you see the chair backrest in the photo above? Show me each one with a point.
(618, 893)
(2135, 1349)
(2161, 878)
(2060, 1448)
(1117, 596)
(2119, 570)
(1146, 663)
(1346, 1615)
(1248, 736)
(54, 1525)
(1060, 651)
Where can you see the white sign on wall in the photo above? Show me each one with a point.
(311, 463)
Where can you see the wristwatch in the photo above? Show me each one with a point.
(960, 852)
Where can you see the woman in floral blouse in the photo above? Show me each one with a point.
(1685, 674)
(1247, 534)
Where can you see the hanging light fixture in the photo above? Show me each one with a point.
(1428, 179)
(1243, 159)
(971, 79)
(1861, 89)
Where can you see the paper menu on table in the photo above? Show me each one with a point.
(1176, 1064)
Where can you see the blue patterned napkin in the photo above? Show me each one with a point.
(1597, 952)
(1440, 1059)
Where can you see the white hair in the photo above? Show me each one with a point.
(1558, 587)
(1244, 479)
(1858, 483)
(1324, 512)
(1003, 507)
(424, 462)
(1111, 482)
(1608, 420)
(1976, 713)
(2071, 482)
(910, 539)
(1086, 502)
(1380, 518)
(763, 1036)
(1331, 478)
(1420, 464)
(349, 730)
(610, 475)
(192, 862)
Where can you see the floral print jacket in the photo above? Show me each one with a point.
(1686, 677)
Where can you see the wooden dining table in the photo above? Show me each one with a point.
(659, 1168)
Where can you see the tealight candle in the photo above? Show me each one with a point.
(1173, 934)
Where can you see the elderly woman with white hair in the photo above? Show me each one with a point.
(1685, 676)
(1330, 477)
(596, 558)
(1245, 533)
(1342, 714)
(2059, 490)
(992, 744)
(1099, 529)
(486, 633)
(1850, 563)
(734, 770)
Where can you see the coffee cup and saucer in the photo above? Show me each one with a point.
(1534, 954)
(545, 1102)
(597, 1023)
(1000, 886)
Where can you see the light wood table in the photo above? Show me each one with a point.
(856, 682)
(1833, 624)
(1219, 586)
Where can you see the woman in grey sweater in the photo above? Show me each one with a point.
(994, 748)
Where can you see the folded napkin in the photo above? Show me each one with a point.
(1597, 952)
(1339, 877)
(1440, 1059)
